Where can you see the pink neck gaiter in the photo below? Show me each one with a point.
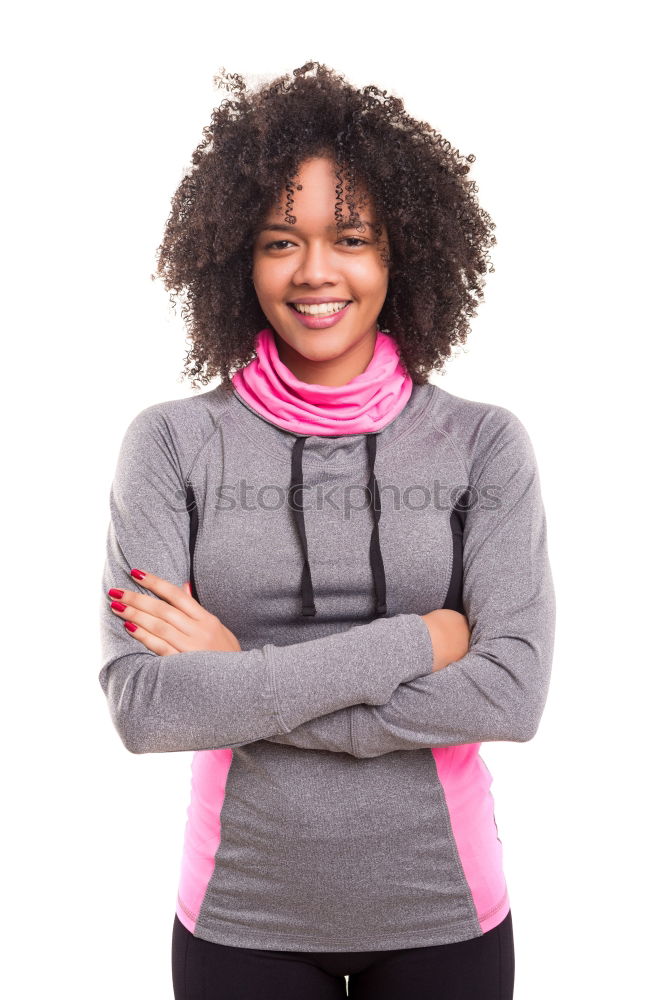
(364, 405)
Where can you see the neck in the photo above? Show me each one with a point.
(331, 371)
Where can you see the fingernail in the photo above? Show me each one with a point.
(117, 606)
(130, 626)
(115, 593)
(138, 574)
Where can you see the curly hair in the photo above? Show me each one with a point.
(439, 236)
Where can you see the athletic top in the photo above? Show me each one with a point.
(339, 801)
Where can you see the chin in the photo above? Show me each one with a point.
(321, 345)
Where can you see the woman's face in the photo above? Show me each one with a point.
(311, 260)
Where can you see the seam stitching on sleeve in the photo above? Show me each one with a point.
(352, 732)
(273, 682)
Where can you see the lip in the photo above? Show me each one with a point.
(320, 322)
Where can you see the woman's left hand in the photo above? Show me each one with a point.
(172, 622)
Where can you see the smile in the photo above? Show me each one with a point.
(320, 317)
(321, 309)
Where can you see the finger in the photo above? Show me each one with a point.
(153, 609)
(151, 642)
(175, 635)
(170, 592)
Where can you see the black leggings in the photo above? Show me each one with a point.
(481, 968)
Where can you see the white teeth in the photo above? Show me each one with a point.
(322, 309)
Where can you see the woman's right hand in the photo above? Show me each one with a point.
(450, 635)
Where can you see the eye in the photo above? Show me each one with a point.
(277, 244)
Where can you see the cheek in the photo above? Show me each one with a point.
(269, 280)
(373, 282)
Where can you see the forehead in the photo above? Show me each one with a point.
(315, 191)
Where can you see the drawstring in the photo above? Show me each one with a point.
(307, 595)
(296, 501)
(376, 560)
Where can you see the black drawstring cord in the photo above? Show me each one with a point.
(308, 608)
(296, 486)
(376, 560)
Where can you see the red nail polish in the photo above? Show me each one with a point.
(130, 626)
(117, 606)
(138, 574)
(115, 593)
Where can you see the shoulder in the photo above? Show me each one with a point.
(480, 430)
(204, 409)
(177, 429)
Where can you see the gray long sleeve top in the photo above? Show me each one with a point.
(339, 800)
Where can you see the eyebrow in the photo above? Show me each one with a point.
(285, 228)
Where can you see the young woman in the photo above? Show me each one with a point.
(327, 576)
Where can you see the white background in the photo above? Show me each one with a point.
(562, 105)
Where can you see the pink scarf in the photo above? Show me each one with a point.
(364, 405)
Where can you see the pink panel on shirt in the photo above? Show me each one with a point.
(466, 782)
(202, 830)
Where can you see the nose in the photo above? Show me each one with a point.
(315, 266)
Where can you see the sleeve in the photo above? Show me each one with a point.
(497, 691)
(206, 699)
